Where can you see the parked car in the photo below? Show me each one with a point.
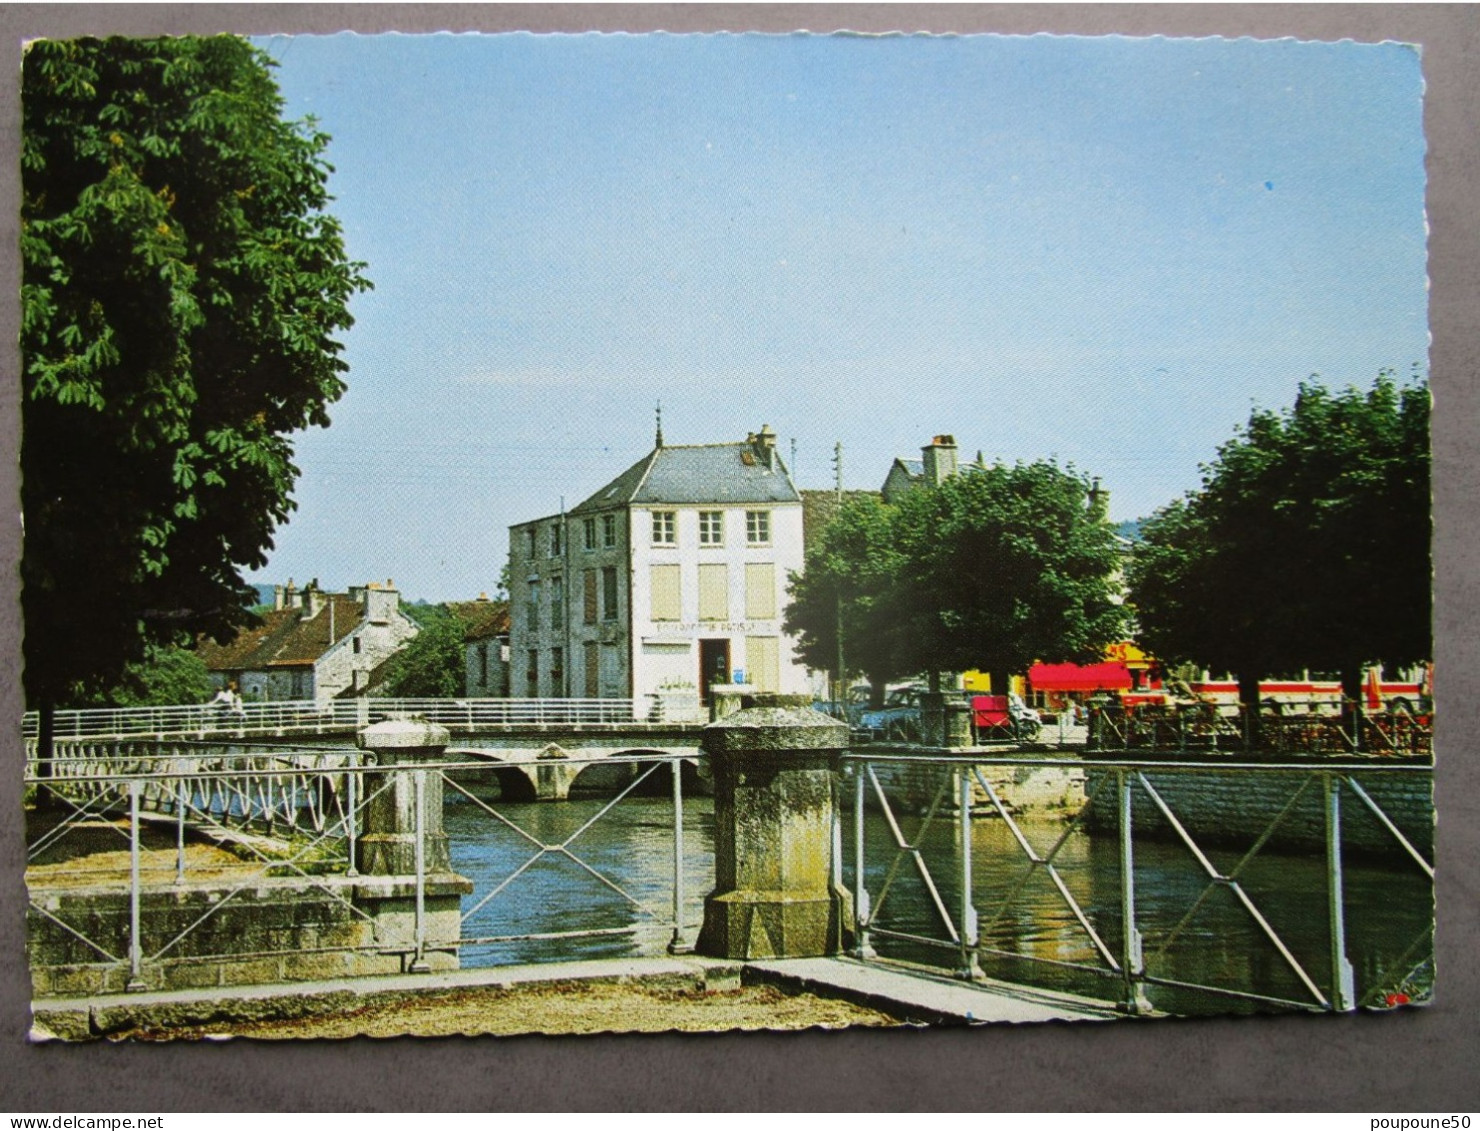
(898, 720)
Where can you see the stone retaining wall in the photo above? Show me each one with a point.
(1236, 806)
(277, 930)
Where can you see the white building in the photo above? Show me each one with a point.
(671, 577)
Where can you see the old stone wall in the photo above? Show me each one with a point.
(1236, 807)
(278, 930)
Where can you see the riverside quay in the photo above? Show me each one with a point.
(1165, 863)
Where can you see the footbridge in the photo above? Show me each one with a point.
(535, 748)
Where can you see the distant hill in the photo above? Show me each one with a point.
(1130, 528)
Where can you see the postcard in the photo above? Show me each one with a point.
(588, 533)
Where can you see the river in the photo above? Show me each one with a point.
(1389, 902)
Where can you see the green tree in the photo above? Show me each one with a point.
(1004, 566)
(1306, 547)
(166, 676)
(848, 576)
(181, 290)
(432, 665)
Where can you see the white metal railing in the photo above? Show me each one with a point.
(299, 814)
(1116, 938)
(306, 716)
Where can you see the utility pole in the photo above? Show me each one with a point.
(840, 690)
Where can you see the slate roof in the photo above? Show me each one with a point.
(697, 473)
(482, 620)
(285, 638)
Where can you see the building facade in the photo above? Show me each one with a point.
(312, 644)
(670, 578)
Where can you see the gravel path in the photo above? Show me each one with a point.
(551, 1008)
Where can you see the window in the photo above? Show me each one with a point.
(533, 606)
(557, 603)
(359, 645)
(760, 590)
(529, 537)
(555, 539)
(609, 593)
(664, 533)
(665, 592)
(608, 530)
(711, 528)
(589, 527)
(557, 671)
(532, 673)
(758, 528)
(588, 596)
(483, 665)
(714, 592)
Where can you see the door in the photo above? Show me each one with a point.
(714, 665)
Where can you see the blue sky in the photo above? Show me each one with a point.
(1103, 251)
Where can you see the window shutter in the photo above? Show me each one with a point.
(760, 590)
(666, 604)
(588, 579)
(714, 592)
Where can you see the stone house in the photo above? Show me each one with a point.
(485, 646)
(936, 464)
(669, 578)
(312, 644)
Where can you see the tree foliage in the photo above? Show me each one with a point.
(1307, 545)
(181, 290)
(1004, 566)
(166, 676)
(847, 579)
(431, 665)
(995, 568)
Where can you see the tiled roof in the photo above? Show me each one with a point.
(697, 473)
(286, 638)
(482, 620)
(236, 655)
(914, 468)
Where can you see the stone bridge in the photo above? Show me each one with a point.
(542, 762)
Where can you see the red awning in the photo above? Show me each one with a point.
(1074, 677)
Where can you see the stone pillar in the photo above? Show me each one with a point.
(775, 783)
(957, 723)
(387, 843)
(727, 698)
(413, 916)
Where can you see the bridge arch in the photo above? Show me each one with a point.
(615, 773)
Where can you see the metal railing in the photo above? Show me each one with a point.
(296, 816)
(1115, 940)
(1315, 727)
(307, 716)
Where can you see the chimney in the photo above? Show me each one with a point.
(290, 595)
(314, 596)
(764, 443)
(381, 603)
(277, 598)
(939, 457)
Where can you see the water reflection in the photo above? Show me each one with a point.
(1389, 902)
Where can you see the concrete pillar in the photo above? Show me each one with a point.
(387, 843)
(933, 718)
(775, 784)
